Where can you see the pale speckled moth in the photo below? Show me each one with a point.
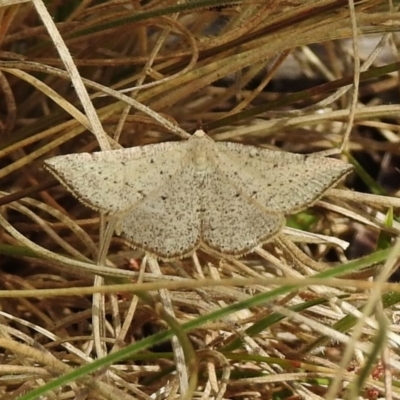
(173, 197)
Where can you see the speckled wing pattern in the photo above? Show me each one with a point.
(111, 181)
(232, 222)
(173, 197)
(167, 222)
(281, 182)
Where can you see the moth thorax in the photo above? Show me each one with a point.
(201, 161)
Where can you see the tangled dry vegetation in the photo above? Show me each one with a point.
(311, 314)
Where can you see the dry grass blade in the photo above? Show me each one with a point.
(277, 79)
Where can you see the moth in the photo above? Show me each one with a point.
(171, 198)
